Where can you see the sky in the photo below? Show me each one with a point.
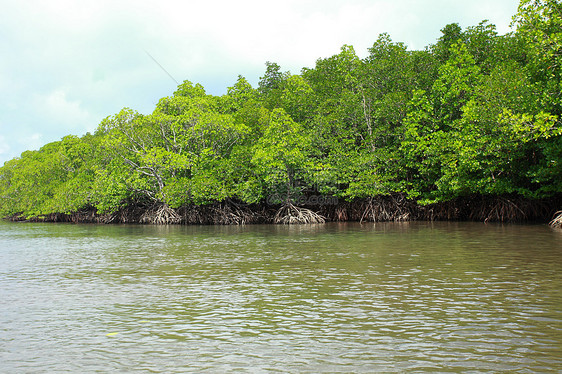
(66, 65)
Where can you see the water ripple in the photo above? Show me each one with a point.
(335, 298)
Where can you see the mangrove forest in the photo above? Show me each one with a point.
(468, 128)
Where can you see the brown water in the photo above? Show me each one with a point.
(414, 297)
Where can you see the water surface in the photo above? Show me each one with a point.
(410, 297)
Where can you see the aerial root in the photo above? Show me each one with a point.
(380, 210)
(503, 209)
(557, 220)
(340, 214)
(224, 213)
(161, 214)
(290, 215)
(230, 214)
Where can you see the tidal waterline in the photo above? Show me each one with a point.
(389, 297)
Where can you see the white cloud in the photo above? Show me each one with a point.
(67, 64)
(4, 146)
(32, 142)
(59, 109)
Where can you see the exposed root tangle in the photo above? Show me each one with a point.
(161, 215)
(290, 215)
(380, 210)
(557, 220)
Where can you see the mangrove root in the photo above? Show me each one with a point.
(224, 213)
(557, 220)
(395, 207)
(161, 215)
(290, 214)
(379, 210)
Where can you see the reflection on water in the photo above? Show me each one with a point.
(320, 298)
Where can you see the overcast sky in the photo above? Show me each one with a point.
(66, 65)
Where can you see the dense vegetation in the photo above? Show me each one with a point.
(473, 120)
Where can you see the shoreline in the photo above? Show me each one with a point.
(393, 208)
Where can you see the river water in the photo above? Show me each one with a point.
(409, 297)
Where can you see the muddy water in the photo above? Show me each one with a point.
(416, 297)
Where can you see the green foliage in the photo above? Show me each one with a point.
(57, 178)
(481, 42)
(452, 34)
(282, 155)
(388, 79)
(239, 96)
(271, 85)
(458, 77)
(187, 89)
(297, 98)
(538, 24)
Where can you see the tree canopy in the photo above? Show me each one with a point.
(476, 113)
